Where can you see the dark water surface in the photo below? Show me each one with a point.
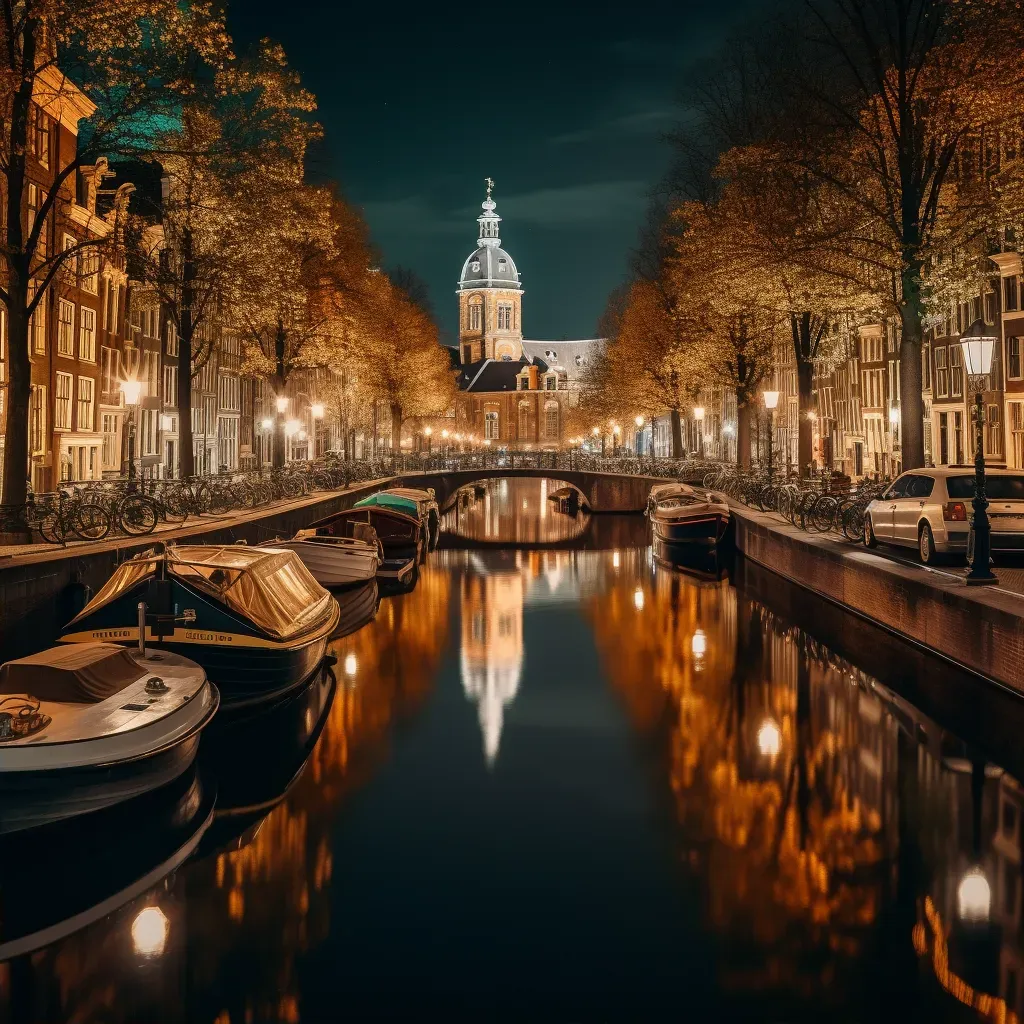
(561, 781)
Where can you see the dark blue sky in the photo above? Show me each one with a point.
(562, 104)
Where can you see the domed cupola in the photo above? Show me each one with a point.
(489, 266)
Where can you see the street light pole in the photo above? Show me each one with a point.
(698, 416)
(977, 343)
(132, 391)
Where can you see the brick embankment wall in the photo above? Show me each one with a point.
(980, 629)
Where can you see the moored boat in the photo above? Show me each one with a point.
(412, 501)
(662, 492)
(400, 534)
(87, 726)
(697, 517)
(337, 561)
(254, 618)
(358, 606)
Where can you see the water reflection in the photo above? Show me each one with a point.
(588, 781)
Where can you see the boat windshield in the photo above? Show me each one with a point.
(126, 576)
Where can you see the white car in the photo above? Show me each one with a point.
(930, 509)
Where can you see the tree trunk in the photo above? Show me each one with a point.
(19, 393)
(911, 399)
(396, 430)
(804, 383)
(743, 433)
(677, 434)
(19, 365)
(186, 335)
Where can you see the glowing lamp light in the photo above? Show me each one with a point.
(282, 403)
(728, 430)
(595, 431)
(428, 431)
(812, 416)
(769, 739)
(616, 430)
(615, 559)
(487, 442)
(894, 416)
(266, 424)
(699, 644)
(149, 932)
(302, 435)
(132, 391)
(317, 411)
(166, 422)
(639, 421)
(638, 599)
(292, 427)
(351, 665)
(771, 399)
(698, 413)
(458, 437)
(978, 343)
(974, 897)
(444, 434)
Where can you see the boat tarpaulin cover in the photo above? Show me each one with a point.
(268, 586)
(395, 501)
(72, 674)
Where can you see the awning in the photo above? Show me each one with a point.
(393, 501)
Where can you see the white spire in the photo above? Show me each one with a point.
(488, 220)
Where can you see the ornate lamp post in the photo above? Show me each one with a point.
(698, 418)
(639, 421)
(771, 402)
(977, 343)
(429, 431)
(132, 391)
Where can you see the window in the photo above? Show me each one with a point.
(504, 317)
(172, 339)
(872, 348)
(523, 382)
(956, 371)
(941, 374)
(87, 334)
(475, 266)
(990, 307)
(66, 329)
(993, 432)
(491, 432)
(90, 261)
(62, 403)
(1013, 358)
(227, 443)
(37, 327)
(958, 437)
(41, 137)
(71, 263)
(1009, 294)
(524, 420)
(943, 439)
(926, 372)
(873, 388)
(228, 392)
(170, 385)
(551, 420)
(37, 419)
(475, 316)
(147, 433)
(108, 379)
(551, 382)
(502, 266)
(86, 402)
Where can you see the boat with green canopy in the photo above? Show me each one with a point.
(382, 499)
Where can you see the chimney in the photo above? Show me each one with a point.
(532, 372)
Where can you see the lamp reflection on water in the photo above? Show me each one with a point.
(974, 897)
(149, 932)
(699, 644)
(351, 664)
(769, 738)
(638, 599)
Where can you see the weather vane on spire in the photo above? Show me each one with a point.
(490, 185)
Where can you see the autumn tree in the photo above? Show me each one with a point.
(122, 67)
(233, 164)
(399, 357)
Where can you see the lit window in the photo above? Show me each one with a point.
(86, 398)
(475, 266)
(66, 328)
(491, 425)
(87, 335)
(62, 405)
(475, 316)
(504, 317)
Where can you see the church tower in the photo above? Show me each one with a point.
(490, 296)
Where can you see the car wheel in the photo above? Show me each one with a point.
(870, 540)
(926, 544)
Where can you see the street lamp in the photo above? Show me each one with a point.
(282, 403)
(771, 402)
(132, 391)
(266, 423)
(429, 432)
(977, 343)
(317, 411)
(639, 421)
(698, 416)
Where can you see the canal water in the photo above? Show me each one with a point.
(560, 780)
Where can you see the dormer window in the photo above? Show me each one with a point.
(475, 266)
(502, 266)
(579, 360)
(550, 382)
(550, 354)
(524, 382)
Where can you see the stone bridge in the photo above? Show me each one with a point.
(602, 492)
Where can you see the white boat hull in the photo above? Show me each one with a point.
(335, 565)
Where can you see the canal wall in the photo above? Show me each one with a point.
(979, 629)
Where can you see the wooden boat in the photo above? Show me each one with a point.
(662, 492)
(337, 561)
(401, 535)
(412, 501)
(698, 517)
(88, 726)
(254, 618)
(699, 562)
(96, 864)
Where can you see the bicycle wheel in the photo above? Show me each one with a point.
(823, 513)
(137, 515)
(853, 522)
(53, 528)
(90, 521)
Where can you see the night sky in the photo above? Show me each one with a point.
(562, 104)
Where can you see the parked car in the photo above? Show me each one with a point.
(930, 509)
